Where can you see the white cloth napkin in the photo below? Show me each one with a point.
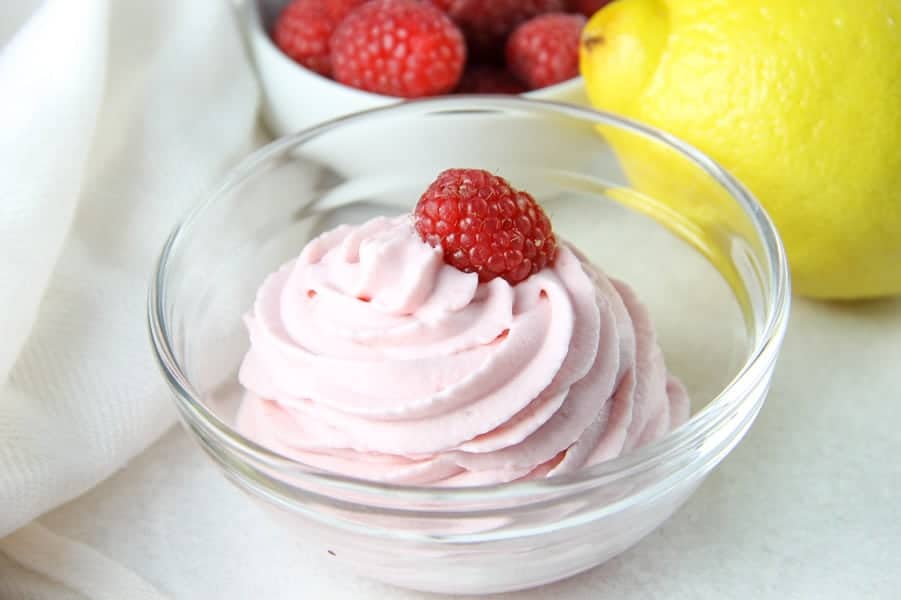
(115, 117)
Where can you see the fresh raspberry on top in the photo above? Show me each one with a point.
(587, 7)
(402, 48)
(485, 226)
(485, 79)
(545, 50)
(486, 23)
(304, 28)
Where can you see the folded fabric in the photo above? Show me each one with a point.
(116, 116)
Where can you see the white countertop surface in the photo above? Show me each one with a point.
(808, 506)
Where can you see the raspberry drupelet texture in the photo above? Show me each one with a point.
(545, 50)
(485, 226)
(403, 48)
(304, 29)
(487, 23)
(339, 9)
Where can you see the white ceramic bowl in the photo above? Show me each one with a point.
(295, 98)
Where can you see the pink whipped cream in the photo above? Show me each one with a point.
(371, 357)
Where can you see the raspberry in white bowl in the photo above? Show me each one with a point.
(304, 30)
(402, 48)
(487, 25)
(417, 48)
(293, 48)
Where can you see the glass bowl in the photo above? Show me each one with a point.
(646, 208)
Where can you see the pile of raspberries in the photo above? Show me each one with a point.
(417, 48)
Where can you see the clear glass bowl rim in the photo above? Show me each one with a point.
(717, 413)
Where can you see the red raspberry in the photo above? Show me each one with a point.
(400, 48)
(485, 79)
(304, 28)
(587, 7)
(485, 226)
(545, 50)
(487, 23)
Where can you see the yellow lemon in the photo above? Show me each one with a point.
(799, 99)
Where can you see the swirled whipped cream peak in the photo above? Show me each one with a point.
(384, 352)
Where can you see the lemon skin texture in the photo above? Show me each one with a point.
(799, 99)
